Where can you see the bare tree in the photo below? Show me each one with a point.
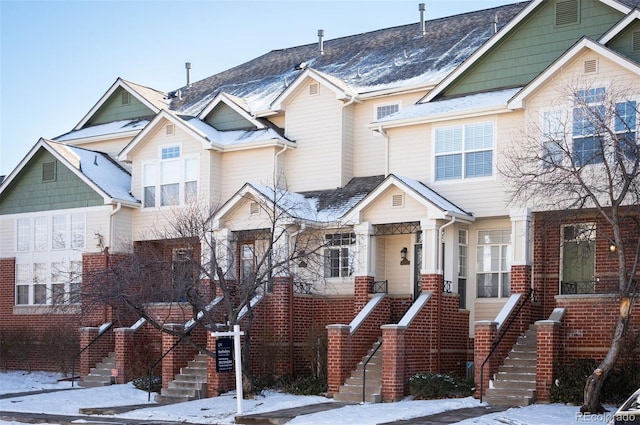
(187, 266)
(584, 157)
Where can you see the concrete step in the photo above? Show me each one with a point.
(357, 398)
(189, 384)
(508, 400)
(101, 375)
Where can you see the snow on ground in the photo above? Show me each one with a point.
(222, 410)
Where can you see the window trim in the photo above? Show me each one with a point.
(463, 152)
(501, 273)
(152, 170)
(344, 270)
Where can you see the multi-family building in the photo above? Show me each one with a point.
(394, 141)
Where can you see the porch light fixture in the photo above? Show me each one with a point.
(302, 263)
(612, 249)
(403, 257)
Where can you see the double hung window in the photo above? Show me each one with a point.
(338, 256)
(464, 151)
(493, 264)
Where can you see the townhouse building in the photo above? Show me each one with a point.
(393, 142)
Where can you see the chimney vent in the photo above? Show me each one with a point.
(423, 28)
(494, 22)
(187, 66)
(321, 41)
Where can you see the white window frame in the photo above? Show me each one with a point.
(187, 177)
(463, 151)
(335, 244)
(500, 266)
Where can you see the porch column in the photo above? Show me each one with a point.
(430, 263)
(225, 252)
(364, 265)
(521, 274)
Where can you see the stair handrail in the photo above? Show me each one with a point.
(364, 371)
(101, 331)
(496, 343)
(153, 366)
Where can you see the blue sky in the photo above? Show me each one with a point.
(58, 57)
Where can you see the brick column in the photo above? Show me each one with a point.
(434, 283)
(217, 383)
(126, 342)
(338, 356)
(393, 358)
(485, 334)
(281, 322)
(95, 352)
(177, 357)
(548, 354)
(363, 287)
(521, 284)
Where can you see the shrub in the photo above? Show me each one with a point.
(429, 385)
(571, 379)
(143, 383)
(60, 346)
(296, 384)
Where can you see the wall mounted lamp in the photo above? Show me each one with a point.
(403, 257)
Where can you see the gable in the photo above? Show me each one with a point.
(627, 42)
(223, 118)
(62, 189)
(121, 105)
(535, 43)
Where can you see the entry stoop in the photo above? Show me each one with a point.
(189, 384)
(515, 382)
(101, 375)
(351, 391)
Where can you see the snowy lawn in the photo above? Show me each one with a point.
(222, 410)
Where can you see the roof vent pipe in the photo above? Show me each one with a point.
(187, 65)
(423, 28)
(494, 22)
(321, 41)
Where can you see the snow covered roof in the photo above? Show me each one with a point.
(96, 169)
(458, 105)
(392, 58)
(108, 129)
(100, 169)
(440, 207)
(236, 138)
(321, 206)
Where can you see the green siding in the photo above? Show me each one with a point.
(623, 42)
(28, 193)
(532, 46)
(114, 110)
(223, 117)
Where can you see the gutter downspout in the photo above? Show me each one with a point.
(106, 251)
(275, 163)
(295, 234)
(386, 149)
(440, 295)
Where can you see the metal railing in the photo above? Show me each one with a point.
(495, 344)
(587, 287)
(364, 372)
(103, 329)
(380, 287)
(447, 286)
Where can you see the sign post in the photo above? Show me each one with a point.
(221, 361)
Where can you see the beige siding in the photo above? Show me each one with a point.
(382, 210)
(112, 147)
(314, 122)
(369, 147)
(412, 154)
(148, 218)
(240, 167)
(347, 145)
(398, 277)
(121, 226)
